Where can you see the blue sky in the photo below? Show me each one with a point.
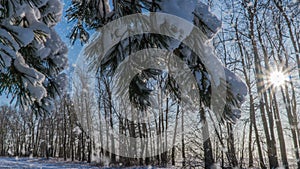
(63, 28)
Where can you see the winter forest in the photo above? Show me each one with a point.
(150, 83)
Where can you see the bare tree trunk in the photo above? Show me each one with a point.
(146, 142)
(265, 95)
(99, 103)
(113, 153)
(208, 156)
(231, 148)
(174, 136)
(182, 140)
(250, 152)
(251, 103)
(280, 133)
(273, 161)
(132, 132)
(165, 153)
(278, 4)
(243, 146)
(65, 131)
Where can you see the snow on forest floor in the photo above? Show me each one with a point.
(52, 163)
(12, 162)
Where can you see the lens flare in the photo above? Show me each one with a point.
(277, 78)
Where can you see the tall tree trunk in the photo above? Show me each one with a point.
(65, 132)
(280, 133)
(251, 103)
(231, 147)
(273, 161)
(265, 95)
(278, 4)
(182, 141)
(112, 139)
(259, 148)
(208, 155)
(146, 142)
(165, 153)
(174, 136)
(250, 152)
(243, 146)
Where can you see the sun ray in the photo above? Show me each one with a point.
(274, 77)
(277, 78)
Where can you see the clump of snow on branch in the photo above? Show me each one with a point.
(32, 79)
(183, 9)
(209, 23)
(27, 33)
(192, 11)
(199, 13)
(196, 13)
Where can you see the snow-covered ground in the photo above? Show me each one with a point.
(52, 163)
(12, 162)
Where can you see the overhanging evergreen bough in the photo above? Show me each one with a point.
(113, 44)
(32, 55)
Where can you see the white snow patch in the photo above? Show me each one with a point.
(250, 4)
(77, 130)
(210, 21)
(281, 167)
(32, 79)
(180, 8)
(24, 36)
(237, 86)
(216, 166)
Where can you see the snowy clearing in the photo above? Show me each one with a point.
(12, 162)
(52, 163)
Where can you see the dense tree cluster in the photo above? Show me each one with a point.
(92, 124)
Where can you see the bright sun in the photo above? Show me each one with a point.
(277, 78)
